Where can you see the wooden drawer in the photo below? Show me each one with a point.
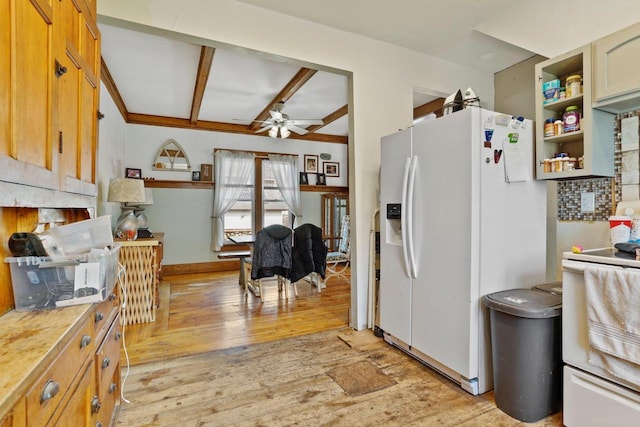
(108, 357)
(109, 401)
(104, 314)
(78, 409)
(52, 386)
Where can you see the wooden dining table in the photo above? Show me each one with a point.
(248, 239)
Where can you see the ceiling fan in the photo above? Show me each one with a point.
(280, 125)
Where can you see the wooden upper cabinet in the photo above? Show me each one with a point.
(616, 79)
(77, 96)
(26, 156)
(49, 87)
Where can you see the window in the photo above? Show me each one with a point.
(260, 204)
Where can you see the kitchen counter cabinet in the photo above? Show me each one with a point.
(616, 78)
(67, 346)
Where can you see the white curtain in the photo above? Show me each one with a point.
(285, 171)
(233, 171)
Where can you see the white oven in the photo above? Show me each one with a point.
(591, 396)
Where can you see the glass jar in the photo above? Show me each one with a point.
(559, 126)
(571, 119)
(549, 129)
(573, 85)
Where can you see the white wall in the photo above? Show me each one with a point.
(382, 81)
(111, 143)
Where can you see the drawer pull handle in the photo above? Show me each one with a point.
(85, 341)
(51, 388)
(106, 362)
(113, 387)
(95, 405)
(118, 335)
(99, 316)
(112, 297)
(98, 424)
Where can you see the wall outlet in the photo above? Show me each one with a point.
(587, 202)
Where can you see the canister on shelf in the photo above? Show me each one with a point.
(559, 126)
(574, 85)
(581, 162)
(547, 165)
(549, 129)
(571, 119)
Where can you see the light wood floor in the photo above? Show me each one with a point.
(213, 358)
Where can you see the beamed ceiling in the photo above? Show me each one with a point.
(159, 81)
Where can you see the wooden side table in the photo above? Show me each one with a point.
(141, 259)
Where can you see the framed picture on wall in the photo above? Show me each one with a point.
(304, 178)
(331, 168)
(310, 163)
(133, 173)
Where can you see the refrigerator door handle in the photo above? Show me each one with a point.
(412, 180)
(403, 216)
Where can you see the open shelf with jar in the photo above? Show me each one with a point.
(585, 143)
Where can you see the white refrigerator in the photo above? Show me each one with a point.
(461, 216)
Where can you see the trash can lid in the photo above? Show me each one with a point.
(552, 288)
(525, 303)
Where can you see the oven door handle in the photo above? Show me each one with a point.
(578, 267)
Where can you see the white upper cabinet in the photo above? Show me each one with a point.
(616, 77)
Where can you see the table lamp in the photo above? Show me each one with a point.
(129, 192)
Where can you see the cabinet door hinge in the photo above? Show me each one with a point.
(60, 69)
(60, 142)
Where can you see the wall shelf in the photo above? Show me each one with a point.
(161, 183)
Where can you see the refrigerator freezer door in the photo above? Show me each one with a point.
(395, 281)
(441, 322)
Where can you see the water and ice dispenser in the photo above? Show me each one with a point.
(394, 229)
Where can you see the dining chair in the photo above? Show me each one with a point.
(309, 256)
(338, 261)
(271, 258)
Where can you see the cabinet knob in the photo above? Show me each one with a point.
(106, 362)
(112, 297)
(112, 387)
(95, 405)
(51, 388)
(85, 341)
(98, 424)
(99, 316)
(118, 335)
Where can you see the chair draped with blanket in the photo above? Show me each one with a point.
(338, 261)
(309, 257)
(271, 257)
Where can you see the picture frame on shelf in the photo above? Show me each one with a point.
(133, 173)
(331, 169)
(195, 176)
(321, 179)
(304, 178)
(206, 172)
(310, 163)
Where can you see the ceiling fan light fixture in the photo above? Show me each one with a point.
(273, 132)
(284, 132)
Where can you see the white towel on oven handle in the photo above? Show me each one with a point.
(613, 312)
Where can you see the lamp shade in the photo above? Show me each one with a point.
(148, 198)
(126, 190)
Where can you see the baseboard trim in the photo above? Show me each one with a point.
(201, 267)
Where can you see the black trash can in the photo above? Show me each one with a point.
(526, 347)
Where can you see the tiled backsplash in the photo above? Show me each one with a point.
(626, 170)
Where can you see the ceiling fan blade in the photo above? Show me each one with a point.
(296, 129)
(276, 115)
(306, 122)
(265, 128)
